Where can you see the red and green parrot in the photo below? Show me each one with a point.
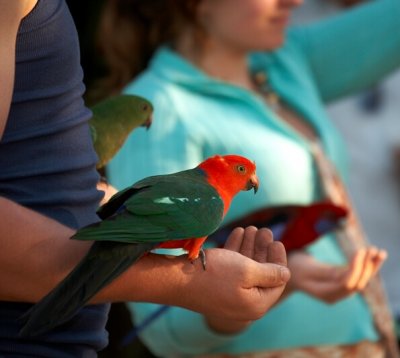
(308, 223)
(113, 120)
(296, 226)
(167, 211)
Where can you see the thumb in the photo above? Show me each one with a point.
(270, 275)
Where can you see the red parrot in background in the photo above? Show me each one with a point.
(177, 210)
(296, 226)
(308, 223)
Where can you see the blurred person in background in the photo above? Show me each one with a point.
(48, 191)
(226, 76)
(374, 175)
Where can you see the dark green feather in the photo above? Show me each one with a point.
(159, 208)
(135, 220)
(104, 262)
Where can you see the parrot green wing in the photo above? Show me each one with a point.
(160, 208)
(113, 120)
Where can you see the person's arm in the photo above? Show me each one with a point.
(259, 245)
(332, 283)
(11, 13)
(21, 230)
(179, 332)
(353, 50)
(37, 253)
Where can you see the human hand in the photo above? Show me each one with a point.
(331, 283)
(233, 287)
(108, 189)
(258, 245)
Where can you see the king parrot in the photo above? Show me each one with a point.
(296, 226)
(309, 223)
(113, 120)
(177, 210)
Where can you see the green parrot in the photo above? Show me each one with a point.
(177, 210)
(113, 120)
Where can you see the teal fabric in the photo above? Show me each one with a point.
(197, 116)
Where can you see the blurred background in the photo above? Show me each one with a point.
(373, 142)
(370, 125)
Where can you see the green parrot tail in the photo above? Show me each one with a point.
(103, 263)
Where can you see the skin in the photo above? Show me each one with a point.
(332, 283)
(259, 246)
(30, 268)
(231, 29)
(37, 252)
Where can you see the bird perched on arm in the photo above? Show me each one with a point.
(113, 120)
(170, 211)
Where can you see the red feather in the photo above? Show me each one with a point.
(302, 228)
(300, 225)
(222, 173)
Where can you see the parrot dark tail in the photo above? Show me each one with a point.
(103, 263)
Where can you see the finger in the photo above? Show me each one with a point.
(356, 268)
(379, 259)
(235, 239)
(375, 260)
(368, 268)
(262, 243)
(270, 275)
(277, 253)
(247, 248)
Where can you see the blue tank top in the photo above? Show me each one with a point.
(48, 162)
(47, 159)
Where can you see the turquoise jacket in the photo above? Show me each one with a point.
(197, 116)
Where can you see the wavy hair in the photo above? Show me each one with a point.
(129, 32)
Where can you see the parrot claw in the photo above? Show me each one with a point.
(202, 255)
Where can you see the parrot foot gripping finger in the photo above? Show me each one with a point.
(202, 257)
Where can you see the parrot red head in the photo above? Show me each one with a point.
(230, 173)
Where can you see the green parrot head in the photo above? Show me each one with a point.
(114, 119)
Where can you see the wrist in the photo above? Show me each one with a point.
(224, 326)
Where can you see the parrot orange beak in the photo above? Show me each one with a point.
(252, 183)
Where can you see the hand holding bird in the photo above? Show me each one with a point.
(171, 211)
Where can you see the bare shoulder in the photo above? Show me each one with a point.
(11, 14)
(14, 11)
(28, 7)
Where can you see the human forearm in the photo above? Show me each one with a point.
(36, 252)
(347, 54)
(232, 287)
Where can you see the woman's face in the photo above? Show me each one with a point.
(246, 25)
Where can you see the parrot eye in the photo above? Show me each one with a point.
(241, 169)
(145, 107)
